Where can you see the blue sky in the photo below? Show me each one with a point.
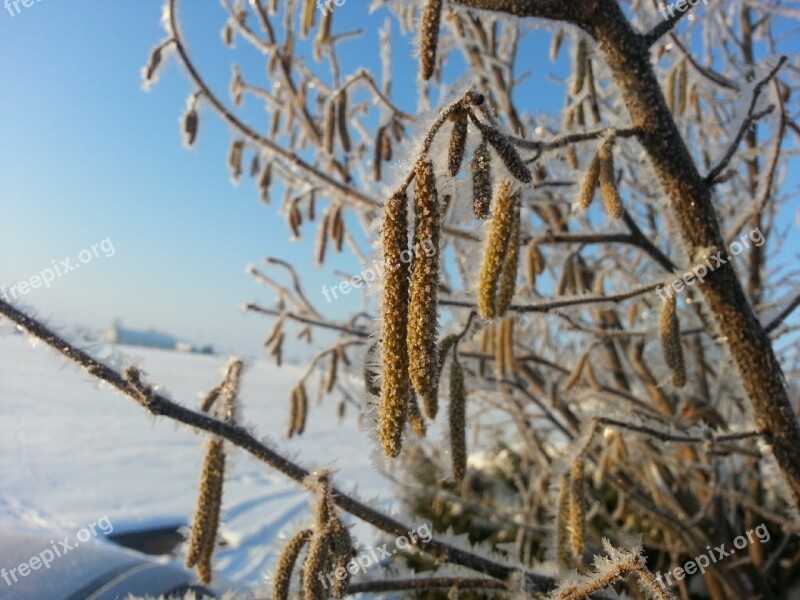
(89, 156)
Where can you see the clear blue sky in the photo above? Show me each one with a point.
(88, 156)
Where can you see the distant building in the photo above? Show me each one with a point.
(151, 339)
(147, 339)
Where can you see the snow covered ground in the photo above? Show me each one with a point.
(72, 452)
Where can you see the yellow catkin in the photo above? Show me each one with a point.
(670, 91)
(496, 246)
(318, 560)
(458, 144)
(302, 410)
(206, 518)
(682, 85)
(395, 389)
(577, 510)
(423, 306)
(608, 183)
(579, 67)
(458, 419)
(286, 562)
(323, 35)
(481, 181)
(563, 552)
(309, 12)
(589, 183)
(507, 284)
(429, 37)
(670, 333)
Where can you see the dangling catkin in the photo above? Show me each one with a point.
(415, 417)
(608, 183)
(563, 553)
(190, 125)
(235, 159)
(286, 562)
(458, 419)
(508, 154)
(508, 276)
(423, 306)
(342, 546)
(458, 144)
(577, 511)
(496, 246)
(579, 68)
(481, 181)
(395, 388)
(534, 263)
(328, 126)
(309, 12)
(589, 183)
(342, 122)
(206, 517)
(429, 37)
(669, 330)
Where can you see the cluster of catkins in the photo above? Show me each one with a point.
(411, 360)
(329, 551)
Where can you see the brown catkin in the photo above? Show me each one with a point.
(423, 305)
(589, 183)
(337, 228)
(342, 122)
(342, 552)
(429, 37)
(395, 389)
(318, 560)
(330, 379)
(458, 144)
(235, 159)
(206, 517)
(415, 418)
(377, 160)
(190, 126)
(481, 181)
(151, 69)
(579, 68)
(608, 183)
(507, 284)
(458, 419)
(669, 330)
(323, 35)
(299, 412)
(577, 509)
(323, 233)
(509, 155)
(286, 562)
(496, 246)
(328, 126)
(563, 553)
(555, 44)
(572, 158)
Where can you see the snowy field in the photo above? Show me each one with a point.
(72, 452)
